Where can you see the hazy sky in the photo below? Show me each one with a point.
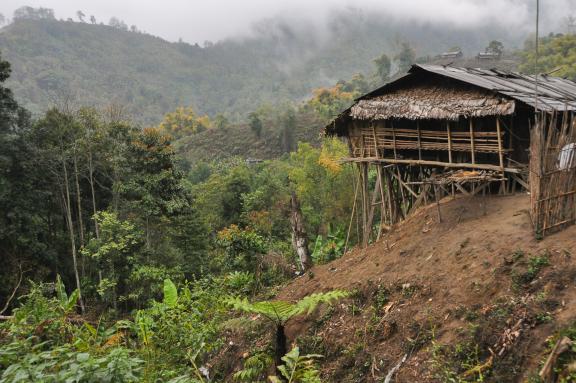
(199, 20)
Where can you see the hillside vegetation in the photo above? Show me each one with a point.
(92, 64)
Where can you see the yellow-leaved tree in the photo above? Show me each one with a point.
(184, 121)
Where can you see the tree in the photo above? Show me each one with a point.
(495, 47)
(80, 16)
(255, 124)
(288, 124)
(406, 57)
(29, 13)
(280, 312)
(557, 53)
(152, 184)
(55, 135)
(2, 19)
(221, 122)
(114, 252)
(117, 23)
(383, 66)
(184, 122)
(92, 19)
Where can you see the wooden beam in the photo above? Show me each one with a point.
(500, 152)
(430, 163)
(405, 185)
(518, 179)
(461, 188)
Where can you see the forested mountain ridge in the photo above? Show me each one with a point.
(95, 64)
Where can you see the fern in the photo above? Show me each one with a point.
(298, 369)
(280, 312)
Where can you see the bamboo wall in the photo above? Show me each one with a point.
(553, 173)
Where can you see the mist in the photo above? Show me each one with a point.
(198, 21)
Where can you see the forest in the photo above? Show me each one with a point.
(132, 247)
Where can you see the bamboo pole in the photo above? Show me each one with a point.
(500, 152)
(431, 163)
(449, 131)
(472, 151)
(419, 140)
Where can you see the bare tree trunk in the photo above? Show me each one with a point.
(78, 201)
(91, 181)
(70, 224)
(299, 238)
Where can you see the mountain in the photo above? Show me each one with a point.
(279, 61)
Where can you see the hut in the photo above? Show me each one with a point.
(443, 130)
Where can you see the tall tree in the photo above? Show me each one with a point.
(55, 138)
(405, 57)
(80, 16)
(383, 65)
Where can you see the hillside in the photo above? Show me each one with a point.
(475, 291)
(89, 64)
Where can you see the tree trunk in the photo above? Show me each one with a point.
(78, 202)
(299, 238)
(280, 345)
(71, 233)
(91, 181)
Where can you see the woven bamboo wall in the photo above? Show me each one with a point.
(553, 173)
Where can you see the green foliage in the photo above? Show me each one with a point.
(170, 293)
(326, 250)
(556, 53)
(298, 368)
(254, 368)
(383, 65)
(280, 312)
(255, 124)
(405, 57)
(535, 264)
(244, 247)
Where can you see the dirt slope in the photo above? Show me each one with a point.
(475, 292)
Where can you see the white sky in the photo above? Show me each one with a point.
(199, 20)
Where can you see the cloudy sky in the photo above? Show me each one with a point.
(200, 20)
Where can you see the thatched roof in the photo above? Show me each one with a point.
(432, 102)
(443, 92)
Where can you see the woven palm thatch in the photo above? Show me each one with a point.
(432, 102)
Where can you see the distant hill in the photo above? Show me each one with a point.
(97, 64)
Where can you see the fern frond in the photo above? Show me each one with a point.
(281, 311)
(276, 311)
(309, 303)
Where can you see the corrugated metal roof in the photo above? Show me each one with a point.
(553, 93)
(549, 93)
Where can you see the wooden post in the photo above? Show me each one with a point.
(393, 139)
(419, 141)
(365, 230)
(472, 151)
(500, 152)
(449, 141)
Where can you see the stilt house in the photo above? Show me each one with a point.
(440, 130)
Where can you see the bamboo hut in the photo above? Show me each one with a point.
(442, 130)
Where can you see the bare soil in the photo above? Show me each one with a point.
(454, 294)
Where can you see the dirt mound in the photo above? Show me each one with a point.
(474, 296)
